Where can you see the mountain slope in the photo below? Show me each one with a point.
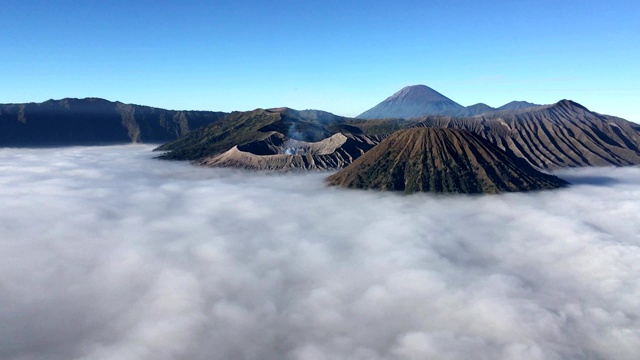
(280, 153)
(274, 139)
(240, 128)
(92, 120)
(565, 134)
(441, 160)
(412, 101)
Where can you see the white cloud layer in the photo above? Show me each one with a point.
(108, 254)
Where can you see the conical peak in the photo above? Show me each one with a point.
(441, 160)
(413, 101)
(569, 104)
(420, 93)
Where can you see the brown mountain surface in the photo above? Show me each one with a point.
(564, 134)
(278, 152)
(443, 161)
(239, 128)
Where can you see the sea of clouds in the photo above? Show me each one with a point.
(107, 253)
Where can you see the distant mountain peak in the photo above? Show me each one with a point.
(279, 109)
(570, 104)
(412, 101)
(418, 93)
(517, 105)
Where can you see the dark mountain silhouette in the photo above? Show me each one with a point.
(413, 101)
(94, 121)
(443, 161)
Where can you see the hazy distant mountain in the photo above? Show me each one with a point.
(420, 100)
(474, 110)
(413, 101)
(94, 121)
(441, 160)
(516, 105)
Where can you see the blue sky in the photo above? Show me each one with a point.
(339, 56)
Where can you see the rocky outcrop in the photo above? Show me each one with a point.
(280, 153)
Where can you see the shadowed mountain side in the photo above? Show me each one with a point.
(564, 134)
(318, 116)
(443, 161)
(94, 121)
(236, 128)
(277, 152)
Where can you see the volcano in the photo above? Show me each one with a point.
(441, 161)
(413, 101)
(276, 152)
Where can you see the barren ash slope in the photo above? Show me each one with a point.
(442, 161)
(277, 152)
(564, 134)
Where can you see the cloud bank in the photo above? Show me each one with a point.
(109, 254)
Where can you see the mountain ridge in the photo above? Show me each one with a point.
(514, 105)
(421, 100)
(564, 134)
(73, 121)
